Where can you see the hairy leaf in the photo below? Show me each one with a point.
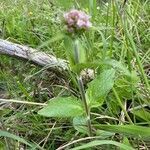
(62, 107)
(100, 87)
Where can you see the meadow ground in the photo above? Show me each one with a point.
(121, 32)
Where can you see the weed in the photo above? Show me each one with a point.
(114, 106)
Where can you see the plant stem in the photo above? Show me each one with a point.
(121, 105)
(82, 92)
(81, 88)
(21, 102)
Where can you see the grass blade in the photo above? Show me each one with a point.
(103, 142)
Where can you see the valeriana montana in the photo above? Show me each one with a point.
(77, 20)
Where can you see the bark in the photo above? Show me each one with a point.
(27, 53)
(40, 58)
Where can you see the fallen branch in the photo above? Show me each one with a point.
(38, 57)
(27, 53)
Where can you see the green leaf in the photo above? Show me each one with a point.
(142, 113)
(128, 130)
(102, 142)
(108, 62)
(80, 124)
(9, 135)
(126, 85)
(100, 87)
(80, 50)
(104, 134)
(62, 107)
(117, 65)
(75, 52)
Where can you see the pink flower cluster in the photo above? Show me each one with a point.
(77, 20)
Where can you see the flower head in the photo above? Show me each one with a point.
(77, 20)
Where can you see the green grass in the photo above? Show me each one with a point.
(120, 33)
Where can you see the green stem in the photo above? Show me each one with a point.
(21, 102)
(81, 88)
(121, 105)
(82, 92)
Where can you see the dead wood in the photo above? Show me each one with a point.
(30, 54)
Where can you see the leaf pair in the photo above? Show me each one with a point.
(72, 107)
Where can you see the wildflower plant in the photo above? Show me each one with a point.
(79, 108)
(100, 96)
(77, 20)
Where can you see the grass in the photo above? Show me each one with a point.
(121, 32)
